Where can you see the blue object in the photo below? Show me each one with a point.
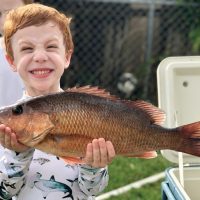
(166, 192)
(170, 190)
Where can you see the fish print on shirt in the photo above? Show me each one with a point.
(3, 192)
(92, 182)
(41, 161)
(51, 185)
(72, 181)
(14, 171)
(72, 167)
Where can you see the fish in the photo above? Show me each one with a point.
(64, 123)
(3, 190)
(41, 161)
(51, 185)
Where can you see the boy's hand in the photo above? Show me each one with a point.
(8, 140)
(99, 153)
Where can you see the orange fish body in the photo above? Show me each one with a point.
(64, 123)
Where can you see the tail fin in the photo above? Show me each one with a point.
(191, 130)
(191, 136)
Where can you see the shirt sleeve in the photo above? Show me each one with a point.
(13, 169)
(92, 181)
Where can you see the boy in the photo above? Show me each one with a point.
(39, 47)
(9, 81)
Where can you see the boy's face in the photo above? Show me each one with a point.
(40, 57)
(5, 6)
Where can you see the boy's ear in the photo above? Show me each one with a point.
(68, 58)
(11, 62)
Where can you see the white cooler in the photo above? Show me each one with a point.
(178, 80)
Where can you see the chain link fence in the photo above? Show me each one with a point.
(119, 43)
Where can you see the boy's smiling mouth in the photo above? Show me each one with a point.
(41, 73)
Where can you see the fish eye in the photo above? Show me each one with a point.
(17, 110)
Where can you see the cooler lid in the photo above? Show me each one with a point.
(178, 82)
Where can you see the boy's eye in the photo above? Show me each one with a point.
(26, 49)
(52, 46)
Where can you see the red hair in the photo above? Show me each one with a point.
(35, 14)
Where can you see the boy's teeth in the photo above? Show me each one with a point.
(41, 72)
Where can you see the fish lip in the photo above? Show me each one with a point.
(5, 109)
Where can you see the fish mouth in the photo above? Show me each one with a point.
(4, 114)
(7, 110)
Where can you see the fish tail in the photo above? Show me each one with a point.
(191, 138)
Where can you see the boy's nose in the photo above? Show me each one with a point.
(40, 56)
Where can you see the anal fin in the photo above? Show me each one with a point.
(145, 155)
(72, 160)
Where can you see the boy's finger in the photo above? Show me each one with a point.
(14, 141)
(111, 150)
(7, 142)
(2, 127)
(89, 155)
(2, 134)
(16, 146)
(103, 151)
(96, 153)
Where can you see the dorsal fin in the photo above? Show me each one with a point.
(156, 115)
(52, 178)
(92, 90)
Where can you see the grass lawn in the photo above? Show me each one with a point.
(149, 192)
(124, 171)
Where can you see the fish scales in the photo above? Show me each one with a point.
(96, 117)
(64, 123)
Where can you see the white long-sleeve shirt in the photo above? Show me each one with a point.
(11, 87)
(37, 175)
